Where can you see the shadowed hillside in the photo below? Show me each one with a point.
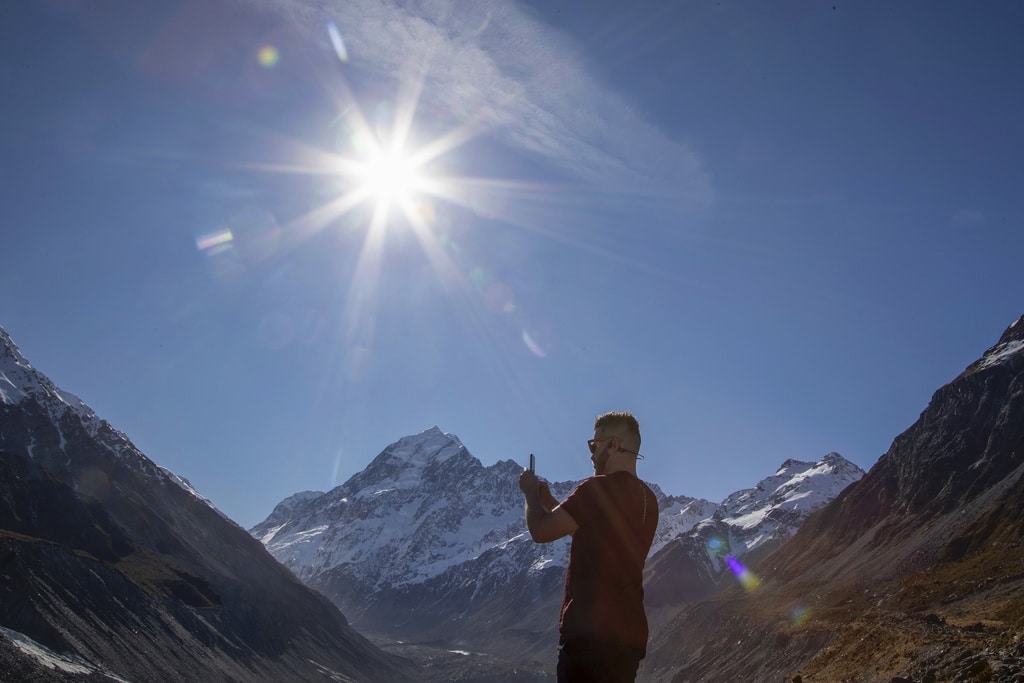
(117, 566)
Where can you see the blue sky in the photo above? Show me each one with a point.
(770, 230)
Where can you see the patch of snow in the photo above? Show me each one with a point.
(1001, 353)
(269, 535)
(10, 392)
(542, 563)
(67, 663)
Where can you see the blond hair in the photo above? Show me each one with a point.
(622, 422)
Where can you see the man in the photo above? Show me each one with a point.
(612, 518)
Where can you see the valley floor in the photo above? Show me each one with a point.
(436, 662)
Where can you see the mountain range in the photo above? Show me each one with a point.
(427, 544)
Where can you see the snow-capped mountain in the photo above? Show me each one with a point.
(773, 509)
(423, 506)
(426, 540)
(424, 520)
(747, 525)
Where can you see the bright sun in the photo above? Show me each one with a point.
(391, 171)
(390, 177)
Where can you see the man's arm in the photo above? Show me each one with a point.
(545, 524)
(546, 499)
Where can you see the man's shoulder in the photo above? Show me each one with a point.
(584, 485)
(607, 482)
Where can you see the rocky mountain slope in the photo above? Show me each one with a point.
(427, 544)
(914, 573)
(114, 568)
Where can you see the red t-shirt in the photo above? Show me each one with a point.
(604, 596)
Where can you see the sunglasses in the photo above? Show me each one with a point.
(592, 445)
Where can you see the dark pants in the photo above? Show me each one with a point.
(587, 661)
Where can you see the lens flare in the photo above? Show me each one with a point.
(717, 545)
(535, 348)
(799, 614)
(93, 483)
(337, 42)
(337, 467)
(216, 241)
(748, 579)
(268, 56)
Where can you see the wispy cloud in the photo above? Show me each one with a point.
(496, 65)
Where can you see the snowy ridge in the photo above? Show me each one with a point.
(66, 663)
(1001, 353)
(1010, 344)
(21, 384)
(774, 508)
(795, 486)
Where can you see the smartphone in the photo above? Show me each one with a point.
(533, 463)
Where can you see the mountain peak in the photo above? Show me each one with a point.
(792, 464)
(7, 343)
(20, 382)
(404, 463)
(831, 460)
(430, 445)
(17, 376)
(425, 442)
(1014, 331)
(797, 485)
(1009, 345)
